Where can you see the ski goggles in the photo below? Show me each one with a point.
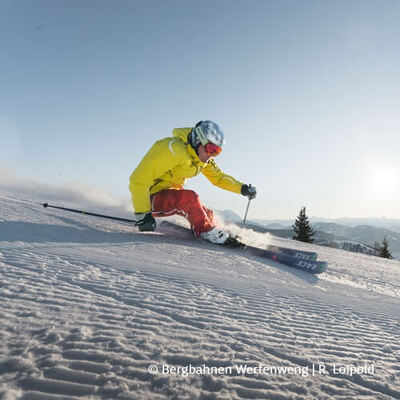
(212, 149)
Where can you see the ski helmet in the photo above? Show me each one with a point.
(205, 132)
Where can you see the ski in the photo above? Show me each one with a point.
(301, 254)
(315, 267)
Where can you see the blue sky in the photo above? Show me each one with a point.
(307, 93)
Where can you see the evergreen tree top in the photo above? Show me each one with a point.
(302, 228)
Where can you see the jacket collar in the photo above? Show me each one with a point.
(194, 155)
(182, 134)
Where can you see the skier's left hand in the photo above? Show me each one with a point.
(249, 191)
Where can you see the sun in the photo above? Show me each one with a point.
(385, 179)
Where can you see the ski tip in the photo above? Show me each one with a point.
(45, 205)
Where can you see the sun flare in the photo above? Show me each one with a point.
(385, 179)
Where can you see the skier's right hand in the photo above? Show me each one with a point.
(249, 191)
(145, 222)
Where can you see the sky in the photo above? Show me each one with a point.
(307, 93)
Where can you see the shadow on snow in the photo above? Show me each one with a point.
(75, 232)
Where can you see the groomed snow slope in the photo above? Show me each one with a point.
(87, 305)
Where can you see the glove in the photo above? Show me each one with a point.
(249, 191)
(145, 222)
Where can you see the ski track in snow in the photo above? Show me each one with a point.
(87, 305)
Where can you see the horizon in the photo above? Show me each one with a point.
(305, 91)
(90, 196)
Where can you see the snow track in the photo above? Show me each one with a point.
(87, 306)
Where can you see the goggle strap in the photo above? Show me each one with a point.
(201, 136)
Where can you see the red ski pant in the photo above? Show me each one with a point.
(185, 203)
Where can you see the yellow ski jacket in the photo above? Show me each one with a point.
(167, 165)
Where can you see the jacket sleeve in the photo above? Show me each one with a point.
(164, 155)
(212, 172)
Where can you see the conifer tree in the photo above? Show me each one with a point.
(384, 251)
(302, 228)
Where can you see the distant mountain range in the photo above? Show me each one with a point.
(386, 223)
(358, 234)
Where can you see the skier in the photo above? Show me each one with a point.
(157, 182)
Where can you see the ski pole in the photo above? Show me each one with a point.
(46, 205)
(247, 210)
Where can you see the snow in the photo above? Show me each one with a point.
(89, 305)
